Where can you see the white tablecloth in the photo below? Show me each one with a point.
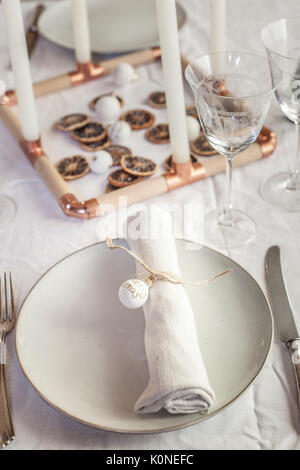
(267, 417)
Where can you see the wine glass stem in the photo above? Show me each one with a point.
(226, 217)
(293, 182)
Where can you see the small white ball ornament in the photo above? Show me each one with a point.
(123, 74)
(193, 127)
(133, 293)
(120, 132)
(108, 108)
(101, 162)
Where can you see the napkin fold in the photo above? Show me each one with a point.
(178, 380)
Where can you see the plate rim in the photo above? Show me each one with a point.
(69, 47)
(199, 418)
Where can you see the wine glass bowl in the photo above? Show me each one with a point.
(282, 42)
(8, 210)
(232, 92)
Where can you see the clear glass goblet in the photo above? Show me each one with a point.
(232, 92)
(282, 42)
(8, 210)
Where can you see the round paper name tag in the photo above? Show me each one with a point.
(133, 293)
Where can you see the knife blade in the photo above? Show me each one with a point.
(279, 297)
(282, 310)
(32, 32)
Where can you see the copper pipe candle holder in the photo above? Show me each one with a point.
(90, 71)
(181, 175)
(87, 72)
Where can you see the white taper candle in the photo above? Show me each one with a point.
(217, 25)
(20, 64)
(81, 31)
(169, 43)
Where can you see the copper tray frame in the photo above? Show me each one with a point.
(181, 174)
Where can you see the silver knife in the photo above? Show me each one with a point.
(282, 310)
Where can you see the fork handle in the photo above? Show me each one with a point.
(294, 348)
(6, 427)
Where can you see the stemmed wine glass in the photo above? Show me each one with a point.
(282, 42)
(232, 92)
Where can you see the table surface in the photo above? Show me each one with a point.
(267, 417)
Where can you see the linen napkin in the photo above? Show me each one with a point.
(178, 380)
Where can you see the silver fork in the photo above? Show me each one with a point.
(7, 324)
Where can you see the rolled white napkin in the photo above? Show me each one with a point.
(178, 380)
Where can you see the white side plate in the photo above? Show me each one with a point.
(115, 25)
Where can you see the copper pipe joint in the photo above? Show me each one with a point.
(267, 140)
(10, 98)
(81, 210)
(184, 173)
(32, 149)
(85, 73)
(156, 51)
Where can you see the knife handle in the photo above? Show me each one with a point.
(32, 33)
(37, 13)
(294, 348)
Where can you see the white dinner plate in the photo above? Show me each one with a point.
(115, 25)
(84, 352)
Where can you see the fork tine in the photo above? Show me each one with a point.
(12, 301)
(6, 308)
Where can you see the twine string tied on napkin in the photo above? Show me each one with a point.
(163, 275)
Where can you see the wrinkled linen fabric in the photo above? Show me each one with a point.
(267, 416)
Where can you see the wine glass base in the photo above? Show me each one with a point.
(235, 234)
(8, 210)
(276, 191)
